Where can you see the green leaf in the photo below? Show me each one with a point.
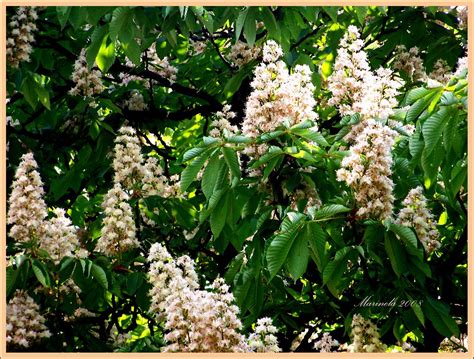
(317, 242)
(232, 161)
(11, 275)
(239, 23)
(416, 94)
(233, 84)
(193, 152)
(99, 275)
(28, 90)
(433, 128)
(41, 273)
(331, 210)
(219, 215)
(120, 17)
(134, 281)
(270, 23)
(280, 246)
(298, 256)
(106, 56)
(310, 135)
(335, 269)
(210, 174)
(63, 12)
(274, 162)
(272, 152)
(395, 253)
(191, 171)
(133, 51)
(250, 26)
(43, 95)
(407, 236)
(361, 12)
(97, 38)
(438, 314)
(332, 12)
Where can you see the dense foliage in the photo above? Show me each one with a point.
(237, 178)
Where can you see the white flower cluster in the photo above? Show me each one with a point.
(87, 82)
(126, 77)
(162, 66)
(367, 169)
(25, 325)
(132, 172)
(27, 213)
(263, 340)
(136, 102)
(441, 72)
(365, 336)
(241, 53)
(277, 96)
(163, 270)
(22, 26)
(118, 230)
(203, 321)
(357, 89)
(416, 214)
(195, 320)
(221, 126)
(326, 343)
(409, 62)
(462, 66)
(454, 344)
(60, 239)
(27, 209)
(462, 16)
(198, 47)
(119, 339)
(128, 159)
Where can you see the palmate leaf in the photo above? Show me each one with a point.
(211, 175)
(120, 16)
(219, 215)
(99, 275)
(407, 237)
(438, 314)
(280, 246)
(190, 172)
(395, 253)
(310, 135)
(298, 256)
(334, 270)
(316, 238)
(433, 128)
(232, 161)
(330, 210)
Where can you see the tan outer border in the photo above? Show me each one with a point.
(3, 200)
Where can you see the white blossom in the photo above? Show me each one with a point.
(136, 102)
(87, 82)
(27, 209)
(263, 339)
(355, 87)
(367, 170)
(25, 325)
(277, 96)
(21, 35)
(128, 159)
(416, 214)
(118, 230)
(60, 239)
(365, 336)
(241, 53)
